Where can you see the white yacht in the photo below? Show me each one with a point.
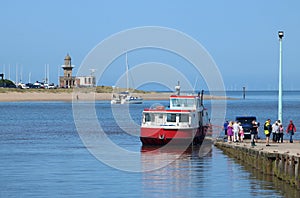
(126, 97)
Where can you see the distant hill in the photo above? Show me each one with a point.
(109, 89)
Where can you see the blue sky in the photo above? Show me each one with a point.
(241, 36)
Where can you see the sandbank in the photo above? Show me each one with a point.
(68, 96)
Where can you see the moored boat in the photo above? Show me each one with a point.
(126, 97)
(185, 121)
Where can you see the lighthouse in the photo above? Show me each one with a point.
(67, 80)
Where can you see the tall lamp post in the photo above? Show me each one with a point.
(280, 34)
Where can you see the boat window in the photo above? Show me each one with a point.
(147, 117)
(175, 103)
(183, 117)
(171, 117)
(183, 102)
(189, 102)
(152, 117)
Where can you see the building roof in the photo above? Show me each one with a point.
(68, 57)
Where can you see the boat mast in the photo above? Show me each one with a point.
(21, 73)
(202, 92)
(45, 73)
(16, 73)
(48, 74)
(127, 81)
(29, 77)
(8, 71)
(177, 88)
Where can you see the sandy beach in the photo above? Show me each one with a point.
(65, 96)
(68, 96)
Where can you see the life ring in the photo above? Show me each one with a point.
(161, 137)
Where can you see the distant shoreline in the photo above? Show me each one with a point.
(12, 96)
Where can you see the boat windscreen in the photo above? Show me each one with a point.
(183, 102)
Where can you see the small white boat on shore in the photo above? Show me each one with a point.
(126, 97)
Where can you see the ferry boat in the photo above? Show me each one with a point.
(185, 121)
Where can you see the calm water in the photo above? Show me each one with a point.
(42, 155)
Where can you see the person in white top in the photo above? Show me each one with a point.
(236, 130)
(275, 130)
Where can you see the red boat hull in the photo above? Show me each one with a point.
(162, 136)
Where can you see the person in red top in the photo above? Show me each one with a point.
(291, 129)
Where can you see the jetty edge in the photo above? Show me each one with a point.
(280, 159)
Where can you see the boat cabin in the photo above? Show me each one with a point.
(184, 102)
(184, 112)
(184, 120)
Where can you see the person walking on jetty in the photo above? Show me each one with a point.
(236, 130)
(268, 131)
(275, 131)
(225, 126)
(241, 132)
(253, 132)
(280, 132)
(291, 129)
(257, 131)
(230, 132)
(274, 128)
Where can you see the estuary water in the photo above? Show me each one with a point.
(42, 155)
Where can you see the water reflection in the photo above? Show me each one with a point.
(213, 175)
(180, 178)
(271, 183)
(262, 185)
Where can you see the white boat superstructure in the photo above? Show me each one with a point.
(184, 121)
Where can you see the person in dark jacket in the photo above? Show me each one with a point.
(291, 129)
(253, 132)
(225, 126)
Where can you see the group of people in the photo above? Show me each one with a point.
(277, 130)
(235, 133)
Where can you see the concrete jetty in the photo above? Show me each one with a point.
(279, 159)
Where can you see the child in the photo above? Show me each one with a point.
(241, 132)
(230, 132)
(280, 133)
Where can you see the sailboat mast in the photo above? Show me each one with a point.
(127, 81)
(29, 77)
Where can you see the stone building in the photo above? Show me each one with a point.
(85, 81)
(67, 80)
